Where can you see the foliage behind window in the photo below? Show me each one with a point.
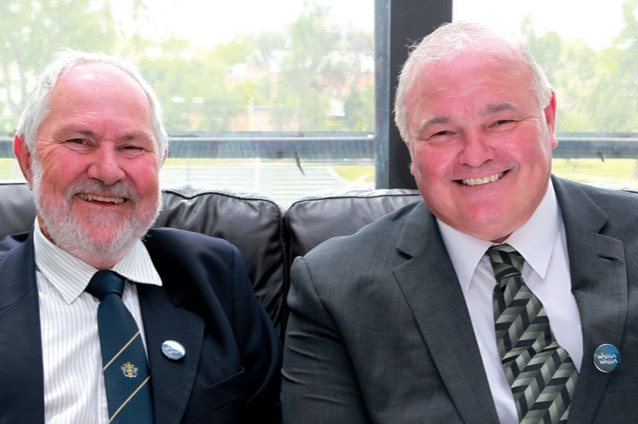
(312, 74)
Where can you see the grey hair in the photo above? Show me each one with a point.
(37, 105)
(446, 42)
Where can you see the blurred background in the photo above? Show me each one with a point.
(289, 98)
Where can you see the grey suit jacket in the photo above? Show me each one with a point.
(379, 331)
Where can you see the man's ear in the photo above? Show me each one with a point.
(411, 167)
(23, 155)
(550, 119)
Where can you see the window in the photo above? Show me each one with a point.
(590, 58)
(270, 97)
(289, 98)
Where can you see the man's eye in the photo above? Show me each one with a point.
(503, 122)
(441, 133)
(132, 150)
(78, 144)
(440, 136)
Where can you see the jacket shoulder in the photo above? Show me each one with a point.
(12, 242)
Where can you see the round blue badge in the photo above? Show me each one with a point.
(606, 358)
(173, 350)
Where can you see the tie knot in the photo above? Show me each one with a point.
(506, 261)
(105, 282)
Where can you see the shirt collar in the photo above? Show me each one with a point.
(70, 275)
(535, 240)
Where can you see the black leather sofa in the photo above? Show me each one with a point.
(268, 236)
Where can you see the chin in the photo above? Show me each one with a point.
(94, 234)
(89, 242)
(106, 236)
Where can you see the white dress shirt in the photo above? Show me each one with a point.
(542, 243)
(73, 381)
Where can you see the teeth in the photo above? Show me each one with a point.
(91, 198)
(484, 180)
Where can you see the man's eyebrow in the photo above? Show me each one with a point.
(500, 107)
(490, 108)
(432, 121)
(131, 135)
(76, 130)
(136, 134)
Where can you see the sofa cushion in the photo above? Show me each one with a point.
(311, 220)
(252, 223)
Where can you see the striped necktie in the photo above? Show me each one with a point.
(126, 373)
(541, 374)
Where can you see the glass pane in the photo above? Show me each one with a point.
(271, 97)
(589, 51)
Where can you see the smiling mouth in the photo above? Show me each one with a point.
(481, 181)
(94, 198)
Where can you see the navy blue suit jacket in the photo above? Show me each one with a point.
(230, 373)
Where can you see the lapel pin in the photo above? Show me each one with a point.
(173, 350)
(606, 358)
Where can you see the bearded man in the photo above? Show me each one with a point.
(90, 144)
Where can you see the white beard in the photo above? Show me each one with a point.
(109, 236)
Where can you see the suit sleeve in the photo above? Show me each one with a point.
(261, 351)
(319, 384)
(236, 376)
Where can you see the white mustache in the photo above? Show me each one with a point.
(94, 187)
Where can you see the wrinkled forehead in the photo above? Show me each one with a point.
(99, 76)
(470, 67)
(102, 89)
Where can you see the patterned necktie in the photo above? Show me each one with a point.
(126, 373)
(541, 374)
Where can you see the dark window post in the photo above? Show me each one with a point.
(410, 21)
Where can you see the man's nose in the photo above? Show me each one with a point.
(106, 166)
(476, 149)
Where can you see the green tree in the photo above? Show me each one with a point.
(616, 93)
(321, 66)
(313, 75)
(31, 31)
(196, 87)
(596, 89)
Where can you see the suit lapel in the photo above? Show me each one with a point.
(171, 381)
(22, 400)
(432, 290)
(599, 284)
